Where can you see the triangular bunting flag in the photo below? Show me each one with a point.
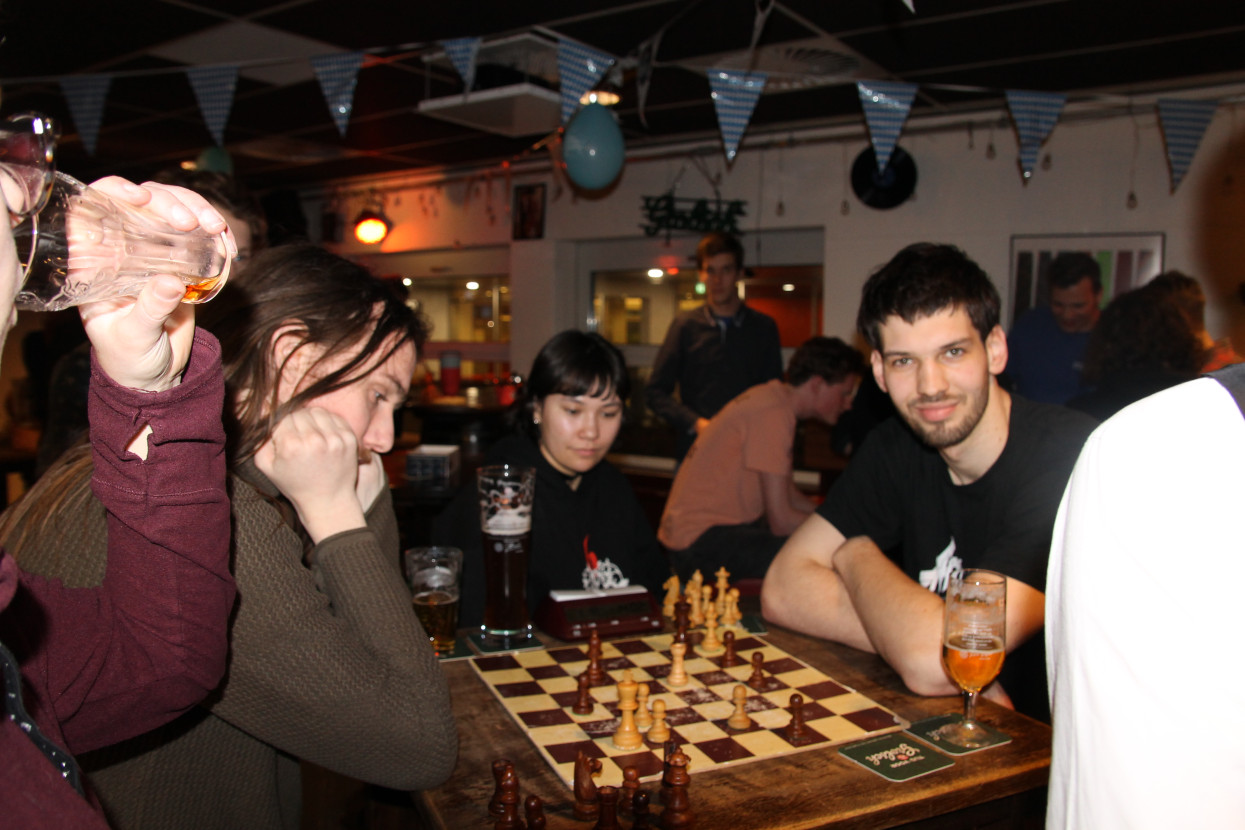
(886, 106)
(734, 97)
(1034, 114)
(1184, 124)
(214, 87)
(86, 95)
(579, 67)
(462, 52)
(337, 74)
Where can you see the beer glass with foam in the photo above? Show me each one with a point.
(506, 494)
(435, 577)
(973, 643)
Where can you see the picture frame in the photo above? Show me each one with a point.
(1128, 260)
(528, 212)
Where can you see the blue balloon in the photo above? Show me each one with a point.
(592, 148)
(215, 159)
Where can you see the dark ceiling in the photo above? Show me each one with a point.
(280, 133)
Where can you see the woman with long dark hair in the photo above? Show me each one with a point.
(327, 660)
(588, 529)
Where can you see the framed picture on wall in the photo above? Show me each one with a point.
(1127, 261)
(528, 212)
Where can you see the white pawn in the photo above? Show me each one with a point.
(739, 719)
(732, 615)
(678, 674)
(660, 733)
(643, 718)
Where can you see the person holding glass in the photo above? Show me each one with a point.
(84, 667)
(328, 662)
(588, 529)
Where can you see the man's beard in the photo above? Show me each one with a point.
(946, 434)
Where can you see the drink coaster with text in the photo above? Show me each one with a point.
(896, 757)
(927, 730)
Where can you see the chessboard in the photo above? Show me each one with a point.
(538, 689)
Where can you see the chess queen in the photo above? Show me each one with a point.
(588, 530)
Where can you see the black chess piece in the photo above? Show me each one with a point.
(583, 703)
(668, 749)
(639, 812)
(797, 733)
(499, 776)
(678, 814)
(729, 657)
(757, 679)
(596, 672)
(585, 788)
(607, 815)
(682, 611)
(534, 809)
(630, 786)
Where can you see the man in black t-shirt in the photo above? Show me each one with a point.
(971, 479)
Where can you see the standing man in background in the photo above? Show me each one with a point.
(1047, 344)
(715, 352)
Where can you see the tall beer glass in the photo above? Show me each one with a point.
(506, 495)
(974, 638)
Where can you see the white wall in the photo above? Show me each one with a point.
(962, 197)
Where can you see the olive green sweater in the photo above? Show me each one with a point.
(327, 663)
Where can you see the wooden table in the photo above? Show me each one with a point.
(813, 789)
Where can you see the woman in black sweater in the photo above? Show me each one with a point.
(588, 529)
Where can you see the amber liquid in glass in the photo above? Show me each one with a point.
(970, 665)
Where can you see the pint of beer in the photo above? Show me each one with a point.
(434, 575)
(506, 494)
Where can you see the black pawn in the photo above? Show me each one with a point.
(729, 657)
(639, 812)
(583, 703)
(797, 733)
(534, 809)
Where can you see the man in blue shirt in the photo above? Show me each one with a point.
(1047, 344)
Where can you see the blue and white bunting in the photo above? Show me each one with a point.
(1184, 123)
(214, 88)
(886, 105)
(462, 52)
(579, 67)
(86, 95)
(734, 96)
(337, 74)
(1034, 114)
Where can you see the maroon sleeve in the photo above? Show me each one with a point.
(123, 658)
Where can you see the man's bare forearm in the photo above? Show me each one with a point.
(902, 619)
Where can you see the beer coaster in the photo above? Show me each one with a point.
(461, 650)
(896, 757)
(927, 730)
(479, 646)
